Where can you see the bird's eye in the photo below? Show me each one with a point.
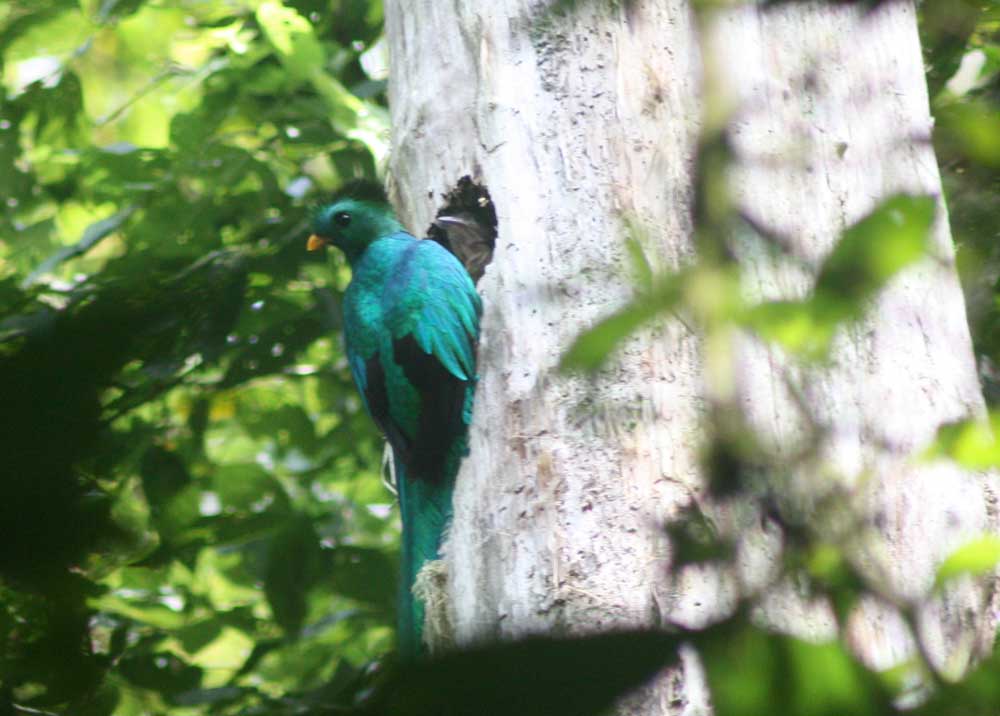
(342, 219)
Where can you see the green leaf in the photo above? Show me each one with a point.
(164, 474)
(217, 696)
(793, 325)
(293, 37)
(874, 250)
(293, 566)
(978, 556)
(537, 676)
(751, 672)
(971, 443)
(165, 673)
(640, 265)
(241, 486)
(973, 130)
(593, 347)
(694, 539)
(154, 615)
(868, 255)
(946, 26)
(366, 574)
(168, 439)
(91, 236)
(977, 693)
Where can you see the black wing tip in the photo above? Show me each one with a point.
(362, 190)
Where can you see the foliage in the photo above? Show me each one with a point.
(193, 517)
(962, 48)
(194, 523)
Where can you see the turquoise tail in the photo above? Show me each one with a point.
(425, 508)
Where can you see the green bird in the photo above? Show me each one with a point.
(411, 325)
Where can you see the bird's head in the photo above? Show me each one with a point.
(358, 215)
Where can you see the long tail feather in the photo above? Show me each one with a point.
(425, 507)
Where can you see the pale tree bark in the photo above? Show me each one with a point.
(583, 122)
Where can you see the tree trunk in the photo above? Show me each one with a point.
(584, 122)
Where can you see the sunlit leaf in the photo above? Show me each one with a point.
(975, 557)
(293, 38)
(93, 234)
(971, 443)
(223, 656)
(142, 611)
(793, 325)
(973, 129)
(180, 435)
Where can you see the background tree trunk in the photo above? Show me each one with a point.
(583, 121)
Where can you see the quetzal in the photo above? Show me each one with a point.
(411, 325)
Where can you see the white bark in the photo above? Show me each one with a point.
(580, 123)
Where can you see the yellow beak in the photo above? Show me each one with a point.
(315, 243)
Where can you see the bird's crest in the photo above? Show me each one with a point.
(362, 190)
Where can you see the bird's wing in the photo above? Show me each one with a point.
(434, 323)
(440, 308)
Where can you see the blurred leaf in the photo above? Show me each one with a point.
(18, 23)
(149, 208)
(593, 347)
(150, 614)
(164, 474)
(242, 487)
(365, 574)
(165, 673)
(292, 36)
(117, 8)
(976, 557)
(535, 676)
(875, 249)
(219, 695)
(868, 255)
(640, 263)
(976, 695)
(946, 26)
(972, 129)
(752, 672)
(694, 539)
(971, 443)
(293, 566)
(94, 233)
(792, 324)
